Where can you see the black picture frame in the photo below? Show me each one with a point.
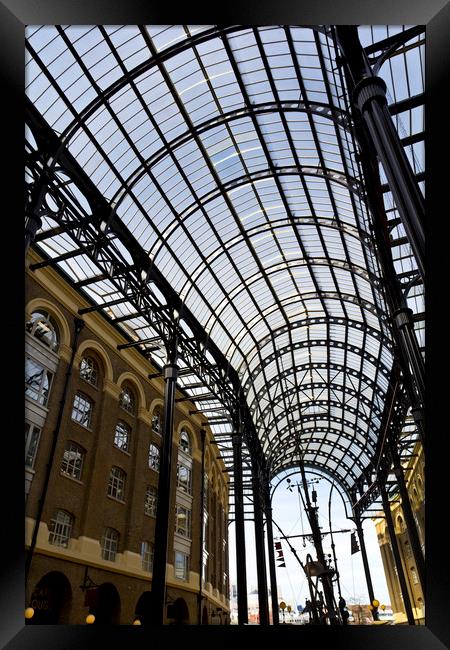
(435, 14)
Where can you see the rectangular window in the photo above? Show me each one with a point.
(72, 463)
(110, 544)
(82, 410)
(60, 529)
(122, 436)
(116, 484)
(183, 521)
(37, 381)
(151, 501)
(184, 481)
(147, 551)
(32, 433)
(181, 566)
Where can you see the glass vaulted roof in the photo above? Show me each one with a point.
(229, 155)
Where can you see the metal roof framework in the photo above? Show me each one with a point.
(210, 175)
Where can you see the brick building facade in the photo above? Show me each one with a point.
(95, 539)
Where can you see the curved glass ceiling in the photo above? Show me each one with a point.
(228, 154)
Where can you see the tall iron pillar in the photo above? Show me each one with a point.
(411, 358)
(362, 545)
(370, 97)
(396, 552)
(409, 517)
(272, 568)
(164, 488)
(263, 599)
(241, 571)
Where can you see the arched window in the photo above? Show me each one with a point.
(147, 550)
(153, 457)
(122, 436)
(156, 420)
(89, 370)
(43, 327)
(127, 400)
(185, 442)
(151, 501)
(60, 528)
(116, 484)
(73, 459)
(109, 544)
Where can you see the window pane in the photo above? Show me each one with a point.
(147, 551)
(109, 544)
(37, 381)
(32, 433)
(151, 501)
(181, 565)
(153, 457)
(184, 478)
(89, 370)
(185, 441)
(82, 410)
(122, 436)
(127, 401)
(42, 327)
(116, 485)
(60, 529)
(156, 422)
(183, 521)
(72, 463)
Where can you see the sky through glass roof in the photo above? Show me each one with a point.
(229, 155)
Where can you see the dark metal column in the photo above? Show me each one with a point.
(272, 568)
(370, 98)
(241, 571)
(202, 525)
(396, 552)
(362, 546)
(79, 324)
(164, 489)
(410, 355)
(333, 546)
(263, 600)
(409, 517)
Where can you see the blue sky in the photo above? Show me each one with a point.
(291, 581)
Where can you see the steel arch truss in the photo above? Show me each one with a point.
(207, 180)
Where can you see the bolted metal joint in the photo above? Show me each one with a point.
(367, 90)
(170, 371)
(402, 317)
